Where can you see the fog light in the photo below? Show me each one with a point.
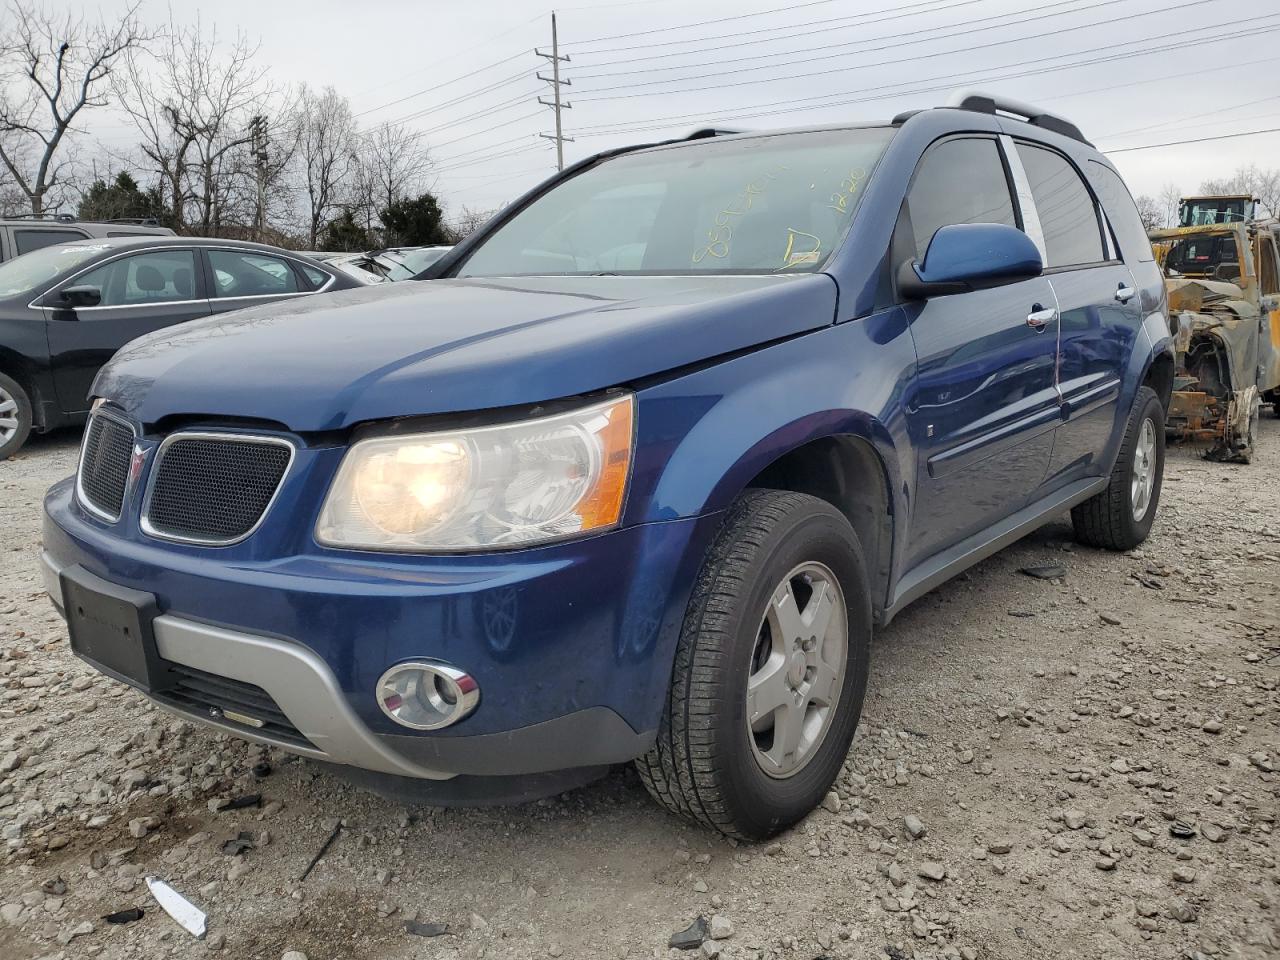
(426, 696)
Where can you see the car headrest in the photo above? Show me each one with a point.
(182, 282)
(150, 279)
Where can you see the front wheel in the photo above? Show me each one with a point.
(770, 670)
(1120, 517)
(15, 416)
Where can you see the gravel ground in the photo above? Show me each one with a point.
(1081, 767)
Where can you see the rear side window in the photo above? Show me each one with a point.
(28, 240)
(239, 273)
(1068, 217)
(1121, 212)
(958, 181)
(318, 278)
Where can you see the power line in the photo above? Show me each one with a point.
(949, 80)
(863, 66)
(483, 45)
(439, 86)
(1194, 116)
(914, 36)
(740, 16)
(1180, 143)
(771, 31)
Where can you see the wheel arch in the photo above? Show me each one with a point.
(13, 365)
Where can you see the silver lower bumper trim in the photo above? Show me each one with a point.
(300, 683)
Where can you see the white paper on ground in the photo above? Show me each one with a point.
(190, 917)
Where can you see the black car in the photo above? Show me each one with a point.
(65, 309)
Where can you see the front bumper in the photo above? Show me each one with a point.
(571, 644)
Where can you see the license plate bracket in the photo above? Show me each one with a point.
(111, 628)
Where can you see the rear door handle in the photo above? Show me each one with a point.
(1040, 316)
(1124, 293)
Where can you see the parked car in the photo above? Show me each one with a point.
(65, 309)
(405, 263)
(358, 266)
(629, 488)
(19, 235)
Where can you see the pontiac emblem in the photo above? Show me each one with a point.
(135, 464)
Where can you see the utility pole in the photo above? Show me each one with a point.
(556, 83)
(260, 140)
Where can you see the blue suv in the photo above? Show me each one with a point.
(637, 473)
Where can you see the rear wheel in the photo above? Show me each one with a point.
(15, 416)
(1120, 517)
(770, 670)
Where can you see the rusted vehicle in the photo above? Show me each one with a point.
(1223, 282)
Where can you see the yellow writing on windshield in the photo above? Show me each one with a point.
(839, 201)
(802, 248)
(720, 236)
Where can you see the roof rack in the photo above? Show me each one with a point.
(56, 217)
(705, 132)
(980, 101)
(136, 221)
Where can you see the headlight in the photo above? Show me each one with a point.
(507, 485)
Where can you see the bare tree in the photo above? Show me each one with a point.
(1253, 180)
(469, 221)
(1170, 198)
(1149, 212)
(394, 165)
(194, 105)
(327, 152)
(53, 66)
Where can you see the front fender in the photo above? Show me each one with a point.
(703, 436)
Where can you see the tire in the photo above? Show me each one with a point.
(708, 763)
(1110, 519)
(15, 416)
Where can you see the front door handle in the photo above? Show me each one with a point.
(1124, 293)
(1040, 317)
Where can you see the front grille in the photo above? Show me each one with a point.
(213, 488)
(104, 465)
(210, 695)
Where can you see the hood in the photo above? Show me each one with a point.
(391, 350)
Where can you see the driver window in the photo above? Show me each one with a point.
(958, 181)
(162, 276)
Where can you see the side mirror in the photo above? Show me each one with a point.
(78, 296)
(970, 256)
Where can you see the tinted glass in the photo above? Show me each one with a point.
(1121, 212)
(317, 277)
(239, 273)
(161, 276)
(768, 204)
(1067, 214)
(958, 181)
(28, 240)
(26, 273)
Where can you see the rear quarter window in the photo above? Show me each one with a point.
(1119, 207)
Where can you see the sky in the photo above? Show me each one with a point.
(642, 70)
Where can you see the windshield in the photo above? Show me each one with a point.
(774, 204)
(1198, 213)
(32, 270)
(407, 264)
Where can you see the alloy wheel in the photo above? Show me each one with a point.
(8, 416)
(797, 670)
(1144, 470)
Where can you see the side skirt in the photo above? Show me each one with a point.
(941, 567)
